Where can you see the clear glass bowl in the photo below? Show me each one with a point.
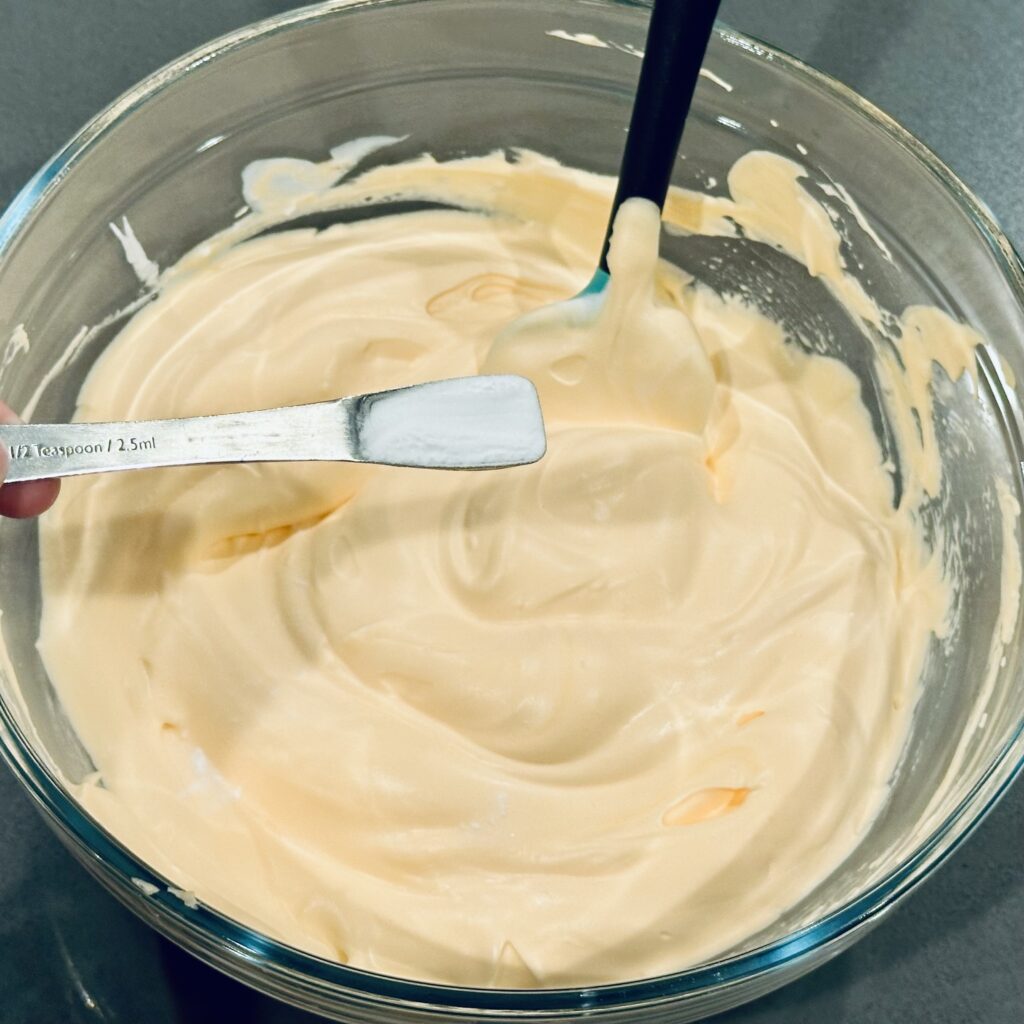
(469, 76)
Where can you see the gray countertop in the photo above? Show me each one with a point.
(952, 72)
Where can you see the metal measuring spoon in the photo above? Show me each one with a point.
(486, 422)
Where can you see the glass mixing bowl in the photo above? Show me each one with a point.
(469, 76)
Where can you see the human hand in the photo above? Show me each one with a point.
(19, 501)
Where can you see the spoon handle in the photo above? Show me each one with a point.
(41, 450)
(677, 38)
(485, 422)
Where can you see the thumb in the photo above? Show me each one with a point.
(22, 499)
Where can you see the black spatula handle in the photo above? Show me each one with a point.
(677, 37)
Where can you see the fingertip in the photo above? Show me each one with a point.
(24, 500)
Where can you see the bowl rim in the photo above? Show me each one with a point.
(245, 947)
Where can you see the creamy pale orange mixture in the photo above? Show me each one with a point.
(589, 720)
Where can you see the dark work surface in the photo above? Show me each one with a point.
(951, 71)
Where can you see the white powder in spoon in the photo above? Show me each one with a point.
(467, 422)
